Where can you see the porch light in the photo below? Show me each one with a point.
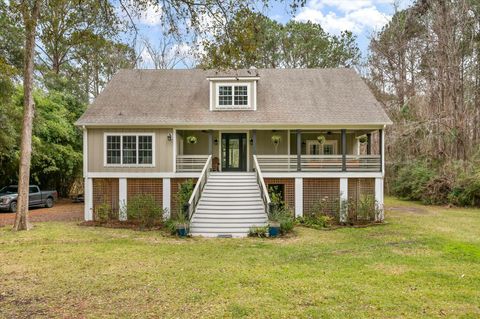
(169, 137)
(251, 141)
(215, 141)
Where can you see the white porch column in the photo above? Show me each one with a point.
(174, 142)
(379, 199)
(88, 199)
(298, 197)
(122, 199)
(166, 198)
(343, 199)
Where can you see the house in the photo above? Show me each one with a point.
(315, 134)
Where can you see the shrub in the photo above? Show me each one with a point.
(183, 196)
(145, 210)
(103, 213)
(316, 222)
(171, 226)
(412, 180)
(282, 215)
(466, 192)
(366, 208)
(260, 232)
(286, 225)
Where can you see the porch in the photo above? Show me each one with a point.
(279, 151)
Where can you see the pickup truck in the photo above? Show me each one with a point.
(36, 198)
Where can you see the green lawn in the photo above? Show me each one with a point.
(425, 262)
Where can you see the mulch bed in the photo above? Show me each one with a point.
(128, 224)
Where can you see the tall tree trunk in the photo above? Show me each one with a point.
(30, 18)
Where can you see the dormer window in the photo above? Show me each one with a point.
(233, 94)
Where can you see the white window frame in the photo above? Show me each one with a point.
(105, 135)
(334, 143)
(233, 106)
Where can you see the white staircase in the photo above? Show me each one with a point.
(229, 206)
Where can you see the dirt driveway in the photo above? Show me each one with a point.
(64, 210)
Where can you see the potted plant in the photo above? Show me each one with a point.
(192, 139)
(276, 140)
(273, 222)
(181, 225)
(321, 139)
(363, 139)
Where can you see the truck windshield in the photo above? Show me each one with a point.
(9, 190)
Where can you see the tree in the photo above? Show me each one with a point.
(254, 40)
(62, 28)
(167, 54)
(30, 11)
(425, 68)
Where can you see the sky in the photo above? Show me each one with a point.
(361, 17)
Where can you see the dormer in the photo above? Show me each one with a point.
(233, 93)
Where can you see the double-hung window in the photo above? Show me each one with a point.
(233, 96)
(129, 149)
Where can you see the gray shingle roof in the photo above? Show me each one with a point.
(284, 97)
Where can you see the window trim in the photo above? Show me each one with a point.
(136, 134)
(234, 107)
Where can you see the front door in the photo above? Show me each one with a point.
(234, 151)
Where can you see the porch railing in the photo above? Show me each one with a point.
(263, 187)
(319, 163)
(190, 163)
(197, 191)
(364, 163)
(277, 163)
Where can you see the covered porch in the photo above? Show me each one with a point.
(293, 150)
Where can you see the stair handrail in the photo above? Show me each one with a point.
(197, 190)
(263, 187)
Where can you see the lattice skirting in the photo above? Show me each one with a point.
(360, 190)
(145, 186)
(321, 190)
(288, 188)
(105, 191)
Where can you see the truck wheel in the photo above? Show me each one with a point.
(13, 207)
(49, 202)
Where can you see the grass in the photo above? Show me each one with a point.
(424, 262)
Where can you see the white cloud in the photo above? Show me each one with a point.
(339, 15)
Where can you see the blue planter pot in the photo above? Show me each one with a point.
(274, 229)
(182, 231)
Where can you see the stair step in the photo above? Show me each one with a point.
(223, 230)
(232, 173)
(222, 215)
(229, 198)
(222, 192)
(233, 212)
(230, 188)
(233, 219)
(230, 177)
(223, 225)
(226, 208)
(232, 201)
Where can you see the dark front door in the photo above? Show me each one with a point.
(234, 151)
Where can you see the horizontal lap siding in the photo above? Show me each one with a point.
(105, 191)
(318, 189)
(289, 188)
(145, 186)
